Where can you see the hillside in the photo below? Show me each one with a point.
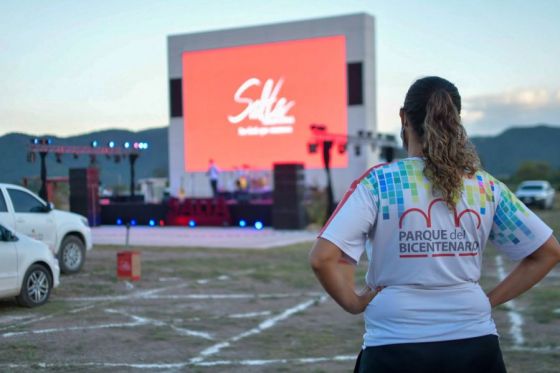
(501, 154)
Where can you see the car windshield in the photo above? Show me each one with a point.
(532, 187)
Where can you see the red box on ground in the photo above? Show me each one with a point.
(128, 265)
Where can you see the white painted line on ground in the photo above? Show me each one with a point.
(10, 319)
(249, 315)
(223, 278)
(150, 321)
(73, 329)
(181, 365)
(137, 321)
(538, 350)
(168, 279)
(515, 318)
(190, 296)
(191, 333)
(41, 318)
(266, 324)
(80, 309)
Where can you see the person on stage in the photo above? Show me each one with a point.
(213, 173)
(423, 223)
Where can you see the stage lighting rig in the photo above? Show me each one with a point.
(43, 146)
(321, 137)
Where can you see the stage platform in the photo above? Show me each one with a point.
(211, 237)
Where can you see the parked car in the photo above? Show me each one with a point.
(67, 234)
(28, 269)
(536, 192)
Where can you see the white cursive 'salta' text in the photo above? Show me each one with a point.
(268, 109)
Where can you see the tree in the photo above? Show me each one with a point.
(534, 170)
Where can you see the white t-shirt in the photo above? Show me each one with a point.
(427, 256)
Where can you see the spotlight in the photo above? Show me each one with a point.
(111, 144)
(133, 222)
(161, 223)
(119, 221)
(259, 225)
(312, 148)
(94, 144)
(152, 222)
(357, 150)
(192, 223)
(126, 145)
(242, 223)
(342, 148)
(35, 141)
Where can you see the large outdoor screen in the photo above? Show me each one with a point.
(254, 105)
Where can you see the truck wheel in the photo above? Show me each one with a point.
(36, 286)
(71, 255)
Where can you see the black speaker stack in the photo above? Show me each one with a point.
(84, 193)
(288, 211)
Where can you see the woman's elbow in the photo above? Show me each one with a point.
(322, 253)
(315, 260)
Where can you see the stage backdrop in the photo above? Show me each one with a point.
(253, 105)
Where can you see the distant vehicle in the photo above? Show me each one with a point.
(68, 235)
(536, 192)
(28, 269)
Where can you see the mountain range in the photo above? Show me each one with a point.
(501, 154)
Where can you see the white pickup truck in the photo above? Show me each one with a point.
(67, 234)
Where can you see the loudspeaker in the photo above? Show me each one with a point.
(288, 211)
(84, 193)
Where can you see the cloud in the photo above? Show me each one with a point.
(491, 114)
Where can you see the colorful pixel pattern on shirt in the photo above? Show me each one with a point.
(393, 187)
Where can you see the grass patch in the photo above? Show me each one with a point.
(544, 301)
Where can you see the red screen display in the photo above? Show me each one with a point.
(253, 105)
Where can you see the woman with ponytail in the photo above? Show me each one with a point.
(423, 223)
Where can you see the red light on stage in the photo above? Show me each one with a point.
(161, 223)
(254, 104)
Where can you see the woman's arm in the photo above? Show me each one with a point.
(336, 273)
(527, 273)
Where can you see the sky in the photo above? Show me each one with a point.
(71, 67)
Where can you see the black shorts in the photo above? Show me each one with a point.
(471, 355)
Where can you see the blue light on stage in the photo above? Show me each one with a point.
(119, 221)
(133, 222)
(259, 225)
(94, 144)
(152, 223)
(242, 223)
(126, 145)
(192, 223)
(111, 144)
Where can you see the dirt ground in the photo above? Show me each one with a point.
(206, 310)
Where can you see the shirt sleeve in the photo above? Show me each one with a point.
(353, 219)
(516, 230)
